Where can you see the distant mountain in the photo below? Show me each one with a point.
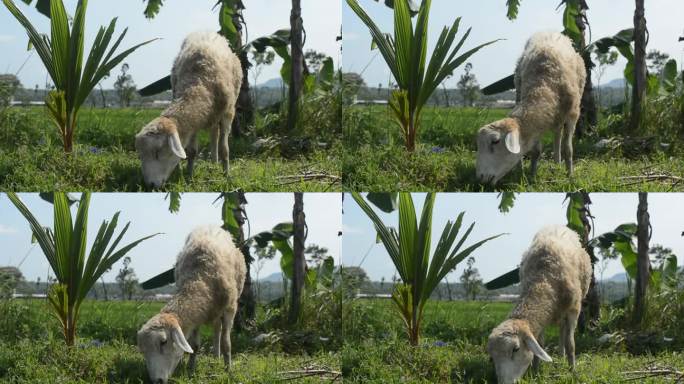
(615, 83)
(275, 277)
(273, 83)
(620, 277)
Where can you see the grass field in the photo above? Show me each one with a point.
(375, 160)
(453, 348)
(32, 349)
(31, 158)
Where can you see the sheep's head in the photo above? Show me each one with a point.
(162, 342)
(512, 347)
(160, 150)
(498, 150)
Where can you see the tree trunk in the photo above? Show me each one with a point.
(104, 289)
(588, 116)
(446, 95)
(244, 115)
(411, 134)
(246, 302)
(297, 74)
(591, 305)
(102, 95)
(70, 329)
(299, 220)
(639, 88)
(448, 287)
(643, 263)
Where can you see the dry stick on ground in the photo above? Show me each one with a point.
(654, 371)
(300, 374)
(293, 179)
(634, 180)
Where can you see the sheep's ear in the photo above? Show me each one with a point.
(538, 351)
(176, 145)
(179, 338)
(513, 141)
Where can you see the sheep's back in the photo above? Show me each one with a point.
(206, 60)
(550, 69)
(209, 261)
(557, 260)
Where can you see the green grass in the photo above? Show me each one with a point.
(374, 158)
(453, 348)
(31, 158)
(33, 351)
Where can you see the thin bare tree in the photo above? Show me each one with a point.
(299, 222)
(643, 262)
(639, 89)
(297, 70)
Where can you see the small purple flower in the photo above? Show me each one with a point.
(437, 150)
(95, 150)
(439, 343)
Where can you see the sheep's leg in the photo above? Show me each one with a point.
(570, 323)
(191, 152)
(214, 143)
(535, 155)
(194, 344)
(224, 149)
(217, 337)
(568, 133)
(563, 337)
(557, 138)
(228, 318)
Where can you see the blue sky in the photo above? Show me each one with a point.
(148, 214)
(489, 22)
(531, 212)
(322, 19)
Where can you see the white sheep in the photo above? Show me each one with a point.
(554, 276)
(549, 80)
(206, 79)
(210, 274)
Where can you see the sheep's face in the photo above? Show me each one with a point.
(162, 345)
(160, 150)
(498, 150)
(512, 350)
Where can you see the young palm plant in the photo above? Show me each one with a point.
(406, 56)
(64, 247)
(62, 55)
(409, 249)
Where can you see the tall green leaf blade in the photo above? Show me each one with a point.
(63, 227)
(388, 239)
(162, 279)
(79, 237)
(386, 202)
(159, 86)
(422, 246)
(503, 85)
(383, 43)
(505, 280)
(408, 232)
(403, 37)
(40, 233)
(38, 41)
(109, 261)
(59, 23)
(76, 53)
(419, 43)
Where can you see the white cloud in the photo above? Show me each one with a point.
(351, 36)
(5, 230)
(347, 230)
(6, 38)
